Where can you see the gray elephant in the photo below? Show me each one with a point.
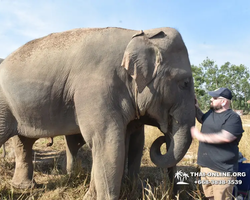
(4, 150)
(105, 83)
(23, 174)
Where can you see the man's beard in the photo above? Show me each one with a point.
(215, 107)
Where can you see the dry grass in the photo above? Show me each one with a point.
(245, 140)
(53, 183)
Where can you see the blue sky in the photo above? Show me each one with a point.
(217, 29)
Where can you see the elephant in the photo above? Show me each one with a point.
(4, 150)
(104, 83)
(23, 174)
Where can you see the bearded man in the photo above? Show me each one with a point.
(218, 150)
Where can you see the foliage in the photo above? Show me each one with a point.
(208, 76)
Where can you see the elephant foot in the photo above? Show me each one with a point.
(23, 184)
(90, 195)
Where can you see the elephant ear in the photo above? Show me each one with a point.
(152, 35)
(141, 60)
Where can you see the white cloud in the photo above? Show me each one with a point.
(22, 22)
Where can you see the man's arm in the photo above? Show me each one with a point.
(214, 138)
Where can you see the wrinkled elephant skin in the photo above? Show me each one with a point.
(102, 83)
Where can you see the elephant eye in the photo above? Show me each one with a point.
(183, 84)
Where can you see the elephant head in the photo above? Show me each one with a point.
(158, 62)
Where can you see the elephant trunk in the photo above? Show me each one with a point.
(178, 141)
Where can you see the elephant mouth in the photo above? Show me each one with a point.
(146, 119)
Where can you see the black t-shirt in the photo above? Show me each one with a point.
(220, 157)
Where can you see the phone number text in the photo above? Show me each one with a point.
(219, 182)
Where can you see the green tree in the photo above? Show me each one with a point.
(237, 79)
(198, 80)
(208, 76)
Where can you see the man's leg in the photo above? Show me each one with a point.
(207, 188)
(220, 189)
(223, 191)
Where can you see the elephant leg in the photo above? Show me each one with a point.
(108, 152)
(91, 193)
(104, 132)
(73, 144)
(135, 150)
(108, 169)
(23, 175)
